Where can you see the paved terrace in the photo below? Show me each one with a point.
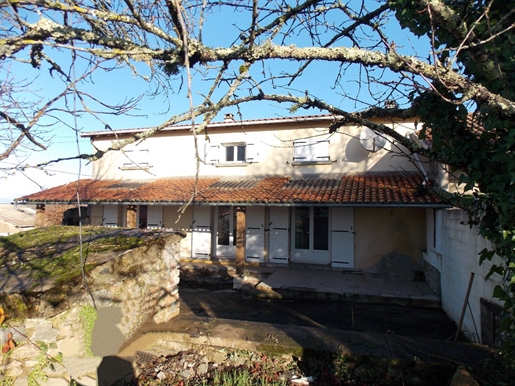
(387, 284)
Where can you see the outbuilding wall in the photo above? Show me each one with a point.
(455, 255)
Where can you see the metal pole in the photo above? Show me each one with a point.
(464, 308)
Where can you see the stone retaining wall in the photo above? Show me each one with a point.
(73, 340)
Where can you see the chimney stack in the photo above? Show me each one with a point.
(229, 117)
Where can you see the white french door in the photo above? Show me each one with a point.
(201, 233)
(226, 232)
(255, 238)
(110, 216)
(279, 234)
(342, 237)
(154, 216)
(310, 238)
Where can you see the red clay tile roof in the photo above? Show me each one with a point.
(371, 189)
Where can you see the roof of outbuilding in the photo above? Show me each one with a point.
(385, 189)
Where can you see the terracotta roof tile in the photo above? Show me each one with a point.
(369, 189)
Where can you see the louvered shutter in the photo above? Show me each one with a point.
(301, 151)
(212, 154)
(252, 152)
(320, 151)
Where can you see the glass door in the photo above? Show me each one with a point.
(311, 235)
(226, 232)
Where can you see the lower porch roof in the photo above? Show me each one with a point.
(372, 189)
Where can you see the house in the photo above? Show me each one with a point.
(267, 191)
(286, 191)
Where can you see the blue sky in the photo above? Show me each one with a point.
(119, 85)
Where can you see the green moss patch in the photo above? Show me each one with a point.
(55, 252)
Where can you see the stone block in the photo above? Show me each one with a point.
(21, 381)
(19, 334)
(238, 282)
(463, 378)
(57, 382)
(13, 369)
(45, 333)
(165, 315)
(87, 381)
(79, 367)
(26, 351)
(167, 301)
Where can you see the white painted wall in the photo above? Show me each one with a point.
(171, 153)
(455, 253)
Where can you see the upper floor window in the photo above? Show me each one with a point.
(136, 159)
(311, 151)
(231, 154)
(235, 152)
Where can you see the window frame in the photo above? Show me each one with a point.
(235, 152)
(216, 154)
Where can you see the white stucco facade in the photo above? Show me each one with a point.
(271, 150)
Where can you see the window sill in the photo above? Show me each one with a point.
(135, 167)
(306, 163)
(231, 164)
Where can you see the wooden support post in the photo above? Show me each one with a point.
(40, 216)
(132, 211)
(241, 223)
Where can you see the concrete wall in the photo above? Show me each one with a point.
(381, 231)
(453, 252)
(273, 142)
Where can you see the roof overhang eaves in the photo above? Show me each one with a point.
(224, 124)
(218, 203)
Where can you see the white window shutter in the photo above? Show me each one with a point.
(301, 151)
(212, 154)
(252, 152)
(129, 158)
(142, 157)
(320, 150)
(136, 158)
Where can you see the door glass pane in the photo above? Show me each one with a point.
(143, 215)
(301, 228)
(321, 229)
(241, 152)
(223, 225)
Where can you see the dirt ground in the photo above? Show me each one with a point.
(218, 302)
(363, 317)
